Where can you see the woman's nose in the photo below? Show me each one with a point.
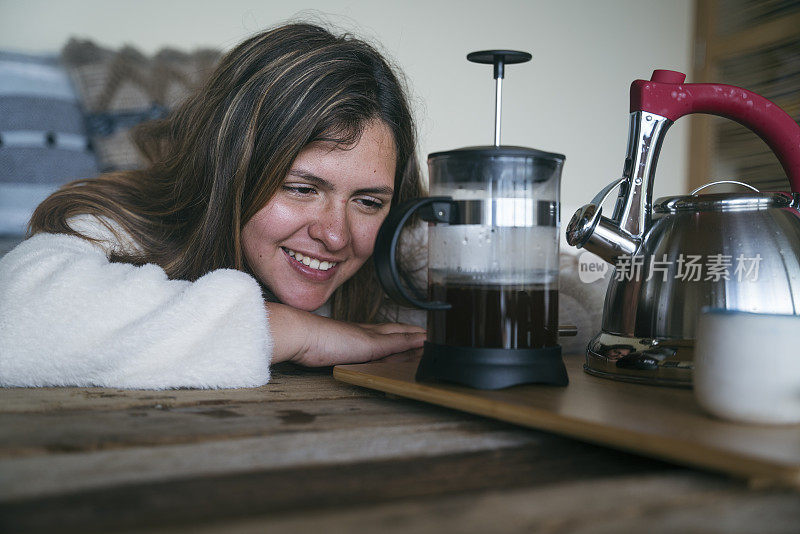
(331, 226)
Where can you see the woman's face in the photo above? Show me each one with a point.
(320, 226)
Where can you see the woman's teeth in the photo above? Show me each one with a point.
(310, 262)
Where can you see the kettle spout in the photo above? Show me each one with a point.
(600, 235)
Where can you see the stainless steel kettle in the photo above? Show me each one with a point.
(733, 251)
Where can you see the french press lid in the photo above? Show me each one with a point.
(482, 163)
(476, 163)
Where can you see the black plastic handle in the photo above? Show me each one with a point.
(431, 209)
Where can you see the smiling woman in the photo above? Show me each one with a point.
(261, 202)
(320, 227)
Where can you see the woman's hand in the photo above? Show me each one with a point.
(307, 339)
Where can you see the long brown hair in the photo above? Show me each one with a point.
(220, 156)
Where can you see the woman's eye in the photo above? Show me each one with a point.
(371, 204)
(303, 190)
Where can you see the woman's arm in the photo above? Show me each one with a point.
(311, 340)
(69, 317)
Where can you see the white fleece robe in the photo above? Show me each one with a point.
(69, 317)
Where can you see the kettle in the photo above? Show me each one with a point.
(677, 255)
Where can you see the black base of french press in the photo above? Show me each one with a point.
(484, 368)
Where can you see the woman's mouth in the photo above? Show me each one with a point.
(310, 267)
(310, 261)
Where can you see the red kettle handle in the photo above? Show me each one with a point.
(665, 94)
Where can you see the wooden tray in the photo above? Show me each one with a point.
(654, 421)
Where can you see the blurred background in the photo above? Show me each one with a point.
(117, 63)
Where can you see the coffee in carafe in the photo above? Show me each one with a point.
(501, 317)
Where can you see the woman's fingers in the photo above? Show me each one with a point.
(394, 328)
(399, 342)
(340, 342)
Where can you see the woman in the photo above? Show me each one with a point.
(261, 204)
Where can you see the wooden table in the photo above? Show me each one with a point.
(308, 453)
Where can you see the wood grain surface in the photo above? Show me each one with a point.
(307, 453)
(676, 502)
(663, 422)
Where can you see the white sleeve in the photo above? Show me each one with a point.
(69, 317)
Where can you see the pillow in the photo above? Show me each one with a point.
(119, 89)
(43, 141)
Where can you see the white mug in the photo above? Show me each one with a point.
(747, 366)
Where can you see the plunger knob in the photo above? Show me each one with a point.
(499, 58)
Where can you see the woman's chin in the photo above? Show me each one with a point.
(305, 303)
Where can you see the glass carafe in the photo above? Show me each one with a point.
(492, 266)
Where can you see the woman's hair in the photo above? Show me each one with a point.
(220, 157)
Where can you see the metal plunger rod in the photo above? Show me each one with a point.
(498, 58)
(498, 105)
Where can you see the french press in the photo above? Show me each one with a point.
(493, 244)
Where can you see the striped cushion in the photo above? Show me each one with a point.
(43, 141)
